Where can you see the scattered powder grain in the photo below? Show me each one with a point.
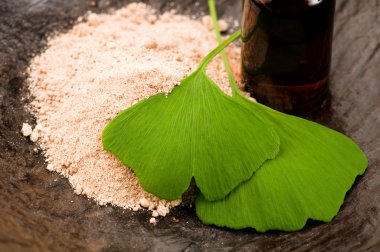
(99, 68)
(26, 129)
(152, 221)
(34, 136)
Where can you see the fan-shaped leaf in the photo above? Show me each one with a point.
(309, 178)
(195, 131)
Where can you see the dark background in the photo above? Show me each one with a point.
(39, 211)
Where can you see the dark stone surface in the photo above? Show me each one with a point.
(39, 212)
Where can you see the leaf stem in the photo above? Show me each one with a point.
(218, 49)
(214, 16)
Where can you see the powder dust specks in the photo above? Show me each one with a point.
(102, 66)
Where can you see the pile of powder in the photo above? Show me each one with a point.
(102, 66)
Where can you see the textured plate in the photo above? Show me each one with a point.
(39, 212)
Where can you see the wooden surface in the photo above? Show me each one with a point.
(39, 212)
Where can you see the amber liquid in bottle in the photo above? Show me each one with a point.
(286, 52)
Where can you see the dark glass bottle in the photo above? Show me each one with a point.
(286, 52)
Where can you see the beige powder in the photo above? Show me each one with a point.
(100, 67)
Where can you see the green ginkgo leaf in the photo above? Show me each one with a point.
(197, 132)
(308, 179)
